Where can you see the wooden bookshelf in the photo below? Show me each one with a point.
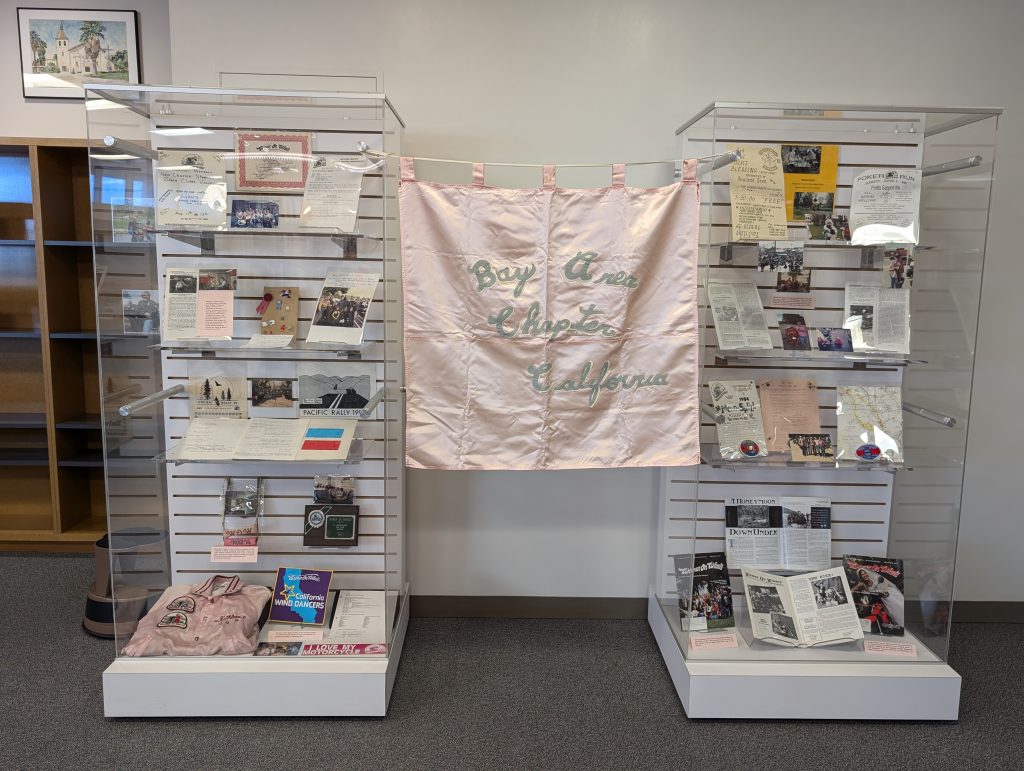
(50, 433)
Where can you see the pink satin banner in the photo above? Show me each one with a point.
(550, 328)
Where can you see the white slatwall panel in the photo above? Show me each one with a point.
(288, 256)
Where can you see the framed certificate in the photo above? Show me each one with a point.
(273, 162)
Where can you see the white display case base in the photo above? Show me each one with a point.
(805, 688)
(247, 686)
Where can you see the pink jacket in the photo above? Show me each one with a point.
(220, 615)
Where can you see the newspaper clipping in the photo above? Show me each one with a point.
(878, 318)
(739, 316)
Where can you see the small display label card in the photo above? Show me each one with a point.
(233, 553)
(890, 648)
(707, 641)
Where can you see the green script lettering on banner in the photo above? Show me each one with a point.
(578, 269)
(534, 326)
(486, 276)
(602, 381)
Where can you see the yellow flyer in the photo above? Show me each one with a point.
(810, 172)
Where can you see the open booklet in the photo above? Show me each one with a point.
(787, 533)
(801, 611)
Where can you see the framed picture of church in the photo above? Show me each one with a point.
(62, 48)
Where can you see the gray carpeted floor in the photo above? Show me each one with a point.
(474, 694)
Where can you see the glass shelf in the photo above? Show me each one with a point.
(238, 346)
(862, 358)
(807, 244)
(204, 239)
(710, 456)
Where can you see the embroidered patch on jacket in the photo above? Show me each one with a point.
(187, 604)
(177, 619)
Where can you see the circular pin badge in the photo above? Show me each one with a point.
(316, 517)
(868, 451)
(750, 448)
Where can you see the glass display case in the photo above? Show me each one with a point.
(249, 310)
(886, 498)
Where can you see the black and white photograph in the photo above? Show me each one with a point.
(752, 317)
(183, 283)
(784, 626)
(268, 392)
(753, 516)
(829, 592)
(866, 314)
(794, 518)
(341, 307)
(728, 313)
(780, 256)
(322, 394)
(765, 599)
(801, 159)
(254, 214)
(141, 311)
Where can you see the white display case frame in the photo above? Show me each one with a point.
(911, 511)
(151, 490)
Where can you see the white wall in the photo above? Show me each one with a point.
(605, 80)
(20, 117)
